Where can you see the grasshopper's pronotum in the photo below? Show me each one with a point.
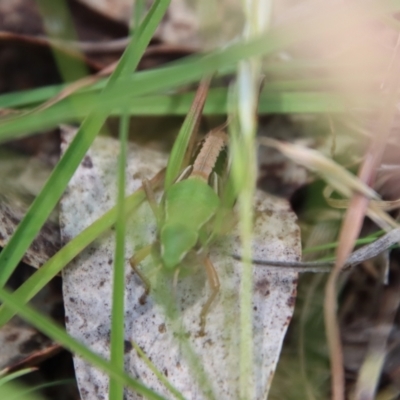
(183, 231)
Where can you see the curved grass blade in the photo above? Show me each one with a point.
(15, 375)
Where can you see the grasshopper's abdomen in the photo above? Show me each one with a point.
(189, 205)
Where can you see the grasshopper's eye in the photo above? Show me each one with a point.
(177, 240)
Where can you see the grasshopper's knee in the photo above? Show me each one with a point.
(134, 261)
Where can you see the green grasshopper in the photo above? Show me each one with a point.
(183, 230)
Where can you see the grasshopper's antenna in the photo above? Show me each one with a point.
(201, 98)
(183, 147)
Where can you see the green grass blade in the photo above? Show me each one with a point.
(179, 104)
(248, 78)
(333, 245)
(24, 98)
(52, 330)
(16, 391)
(56, 184)
(116, 390)
(15, 375)
(138, 12)
(139, 42)
(36, 388)
(160, 376)
(69, 68)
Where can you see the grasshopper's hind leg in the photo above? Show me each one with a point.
(213, 281)
(135, 261)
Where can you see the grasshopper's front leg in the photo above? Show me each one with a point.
(135, 261)
(213, 281)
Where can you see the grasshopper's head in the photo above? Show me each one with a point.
(176, 241)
